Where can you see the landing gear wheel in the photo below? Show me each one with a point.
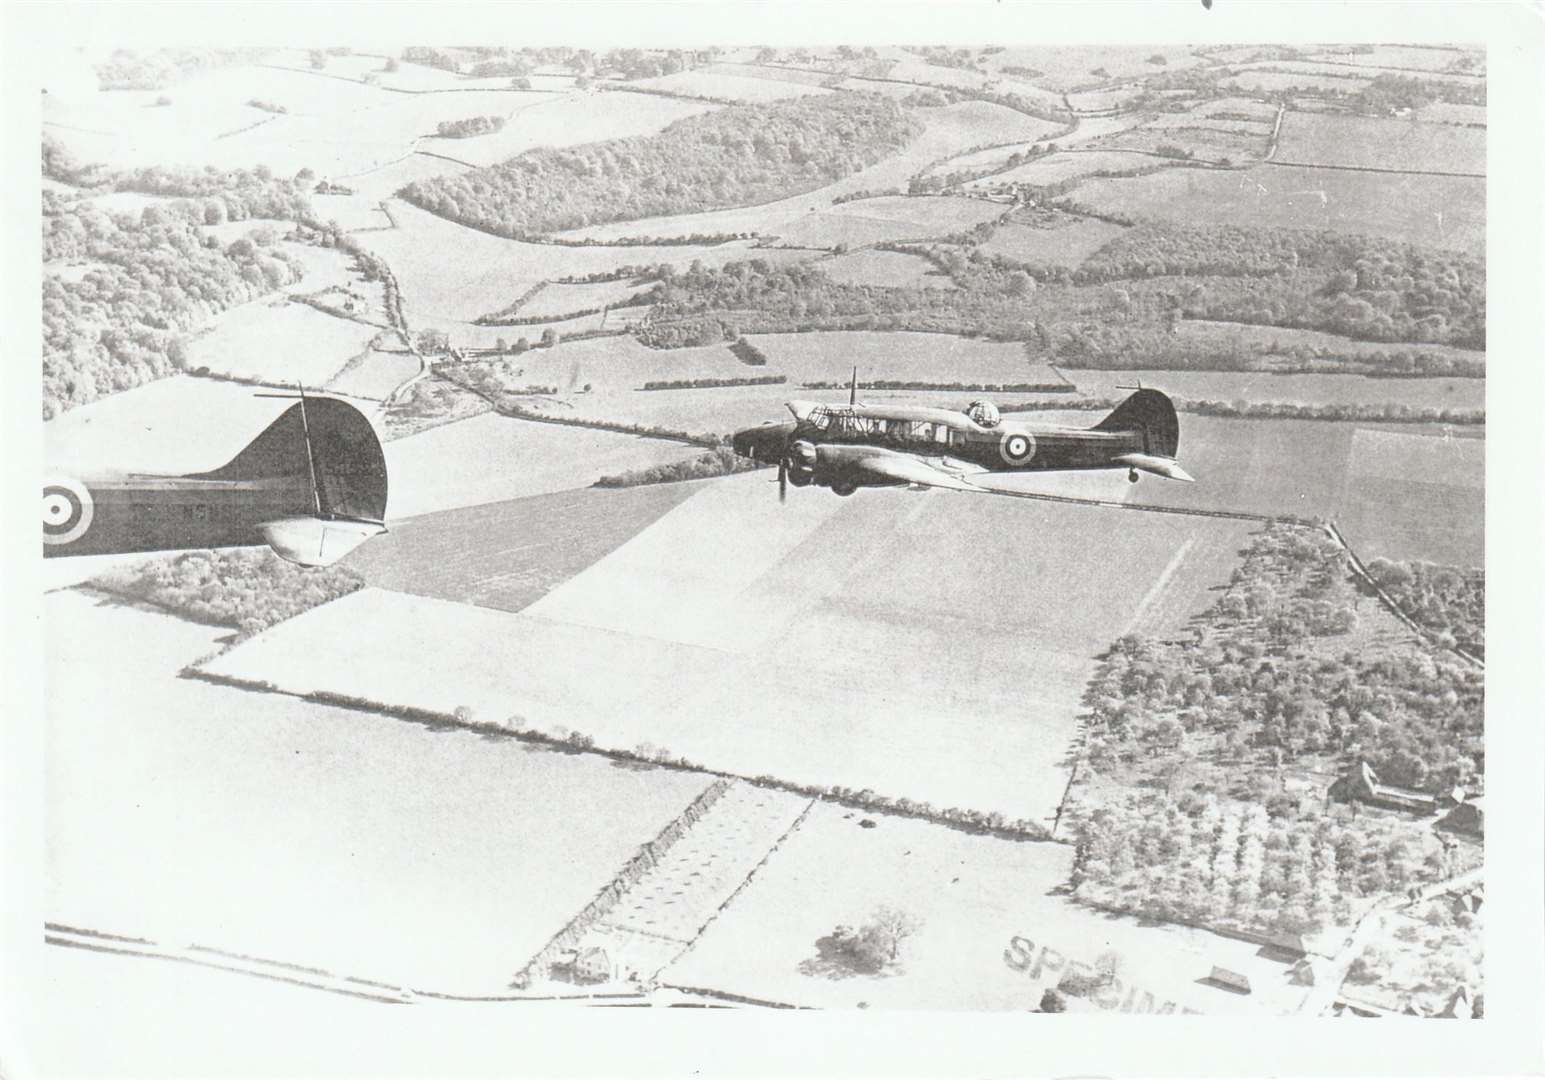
(844, 487)
(1131, 476)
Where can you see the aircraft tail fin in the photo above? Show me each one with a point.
(1151, 413)
(327, 441)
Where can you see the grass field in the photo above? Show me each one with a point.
(1254, 338)
(891, 217)
(1270, 81)
(376, 375)
(971, 895)
(899, 355)
(1303, 389)
(1055, 168)
(758, 638)
(1398, 207)
(489, 458)
(449, 272)
(558, 299)
(948, 131)
(619, 364)
(278, 341)
(1385, 143)
(1068, 246)
(886, 269)
(726, 84)
(1441, 112)
(1065, 67)
(1430, 58)
(380, 849)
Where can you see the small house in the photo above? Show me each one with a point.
(593, 965)
(1362, 784)
(1229, 980)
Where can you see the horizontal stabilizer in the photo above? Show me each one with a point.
(312, 541)
(1159, 466)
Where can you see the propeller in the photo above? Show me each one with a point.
(783, 478)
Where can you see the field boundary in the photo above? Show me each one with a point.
(1375, 169)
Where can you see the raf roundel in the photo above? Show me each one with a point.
(67, 510)
(1017, 447)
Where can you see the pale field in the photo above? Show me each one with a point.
(1055, 168)
(749, 636)
(376, 376)
(278, 341)
(971, 896)
(1400, 207)
(1165, 122)
(979, 160)
(891, 217)
(386, 180)
(725, 84)
(1205, 140)
(622, 364)
(1385, 143)
(488, 457)
(352, 213)
(1266, 80)
(1092, 129)
(1250, 336)
(1441, 112)
(439, 859)
(1066, 246)
(772, 73)
(947, 132)
(899, 355)
(560, 299)
(1066, 67)
(1250, 386)
(1103, 100)
(1263, 111)
(566, 120)
(452, 273)
(1430, 61)
(891, 269)
(1342, 70)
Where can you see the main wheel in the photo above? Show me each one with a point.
(1131, 476)
(844, 487)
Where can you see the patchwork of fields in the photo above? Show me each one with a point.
(753, 637)
(1365, 142)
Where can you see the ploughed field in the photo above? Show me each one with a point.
(928, 646)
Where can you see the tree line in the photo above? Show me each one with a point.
(729, 157)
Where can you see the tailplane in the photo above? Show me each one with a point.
(1151, 413)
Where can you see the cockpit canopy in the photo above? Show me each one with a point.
(984, 413)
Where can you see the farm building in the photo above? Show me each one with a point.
(1229, 980)
(1361, 784)
(586, 964)
(1468, 818)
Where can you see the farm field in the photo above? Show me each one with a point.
(169, 826)
(1422, 58)
(1068, 245)
(948, 131)
(1055, 168)
(1429, 504)
(1254, 337)
(506, 555)
(1387, 143)
(488, 458)
(376, 375)
(734, 606)
(1398, 207)
(889, 217)
(1205, 140)
(1442, 112)
(886, 269)
(881, 355)
(1274, 82)
(1302, 389)
(489, 272)
(278, 341)
(558, 299)
(1067, 67)
(971, 895)
(726, 84)
(617, 363)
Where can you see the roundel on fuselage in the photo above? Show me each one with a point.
(67, 510)
(1016, 447)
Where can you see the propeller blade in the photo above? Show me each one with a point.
(783, 479)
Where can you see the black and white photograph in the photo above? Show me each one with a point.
(554, 527)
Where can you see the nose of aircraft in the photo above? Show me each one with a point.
(765, 442)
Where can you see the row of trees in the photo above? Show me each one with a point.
(471, 126)
(1446, 599)
(721, 461)
(249, 589)
(706, 384)
(728, 157)
(151, 279)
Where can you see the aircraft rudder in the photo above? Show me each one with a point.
(1149, 411)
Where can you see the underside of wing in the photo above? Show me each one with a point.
(892, 468)
(312, 541)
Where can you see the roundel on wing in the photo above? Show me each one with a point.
(67, 510)
(1016, 447)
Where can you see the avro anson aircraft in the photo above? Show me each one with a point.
(846, 447)
(312, 486)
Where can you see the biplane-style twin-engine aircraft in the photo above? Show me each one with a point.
(312, 486)
(846, 447)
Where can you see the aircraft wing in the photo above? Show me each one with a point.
(312, 541)
(911, 470)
